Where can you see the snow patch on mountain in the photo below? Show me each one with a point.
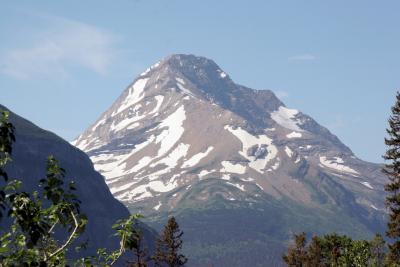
(143, 162)
(156, 65)
(248, 141)
(117, 166)
(337, 164)
(367, 185)
(173, 132)
(294, 135)
(85, 144)
(288, 151)
(226, 177)
(159, 186)
(287, 118)
(157, 207)
(135, 94)
(238, 186)
(100, 122)
(179, 80)
(116, 189)
(142, 191)
(129, 123)
(133, 126)
(205, 172)
(184, 89)
(195, 159)
(159, 100)
(232, 168)
(276, 165)
(172, 159)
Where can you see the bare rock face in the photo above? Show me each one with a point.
(235, 165)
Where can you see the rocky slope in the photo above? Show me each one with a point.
(240, 170)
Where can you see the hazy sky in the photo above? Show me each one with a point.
(63, 63)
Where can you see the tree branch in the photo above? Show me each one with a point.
(52, 227)
(121, 249)
(71, 237)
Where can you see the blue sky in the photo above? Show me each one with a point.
(62, 63)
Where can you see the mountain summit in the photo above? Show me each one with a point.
(239, 169)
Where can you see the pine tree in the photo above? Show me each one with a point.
(139, 252)
(392, 169)
(297, 254)
(377, 247)
(314, 252)
(168, 246)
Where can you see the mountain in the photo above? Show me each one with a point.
(32, 147)
(241, 171)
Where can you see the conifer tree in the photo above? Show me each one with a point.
(297, 254)
(392, 169)
(314, 253)
(378, 255)
(139, 252)
(169, 245)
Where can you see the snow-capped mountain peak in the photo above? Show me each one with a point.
(183, 138)
(183, 120)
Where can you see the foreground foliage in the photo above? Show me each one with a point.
(36, 220)
(335, 250)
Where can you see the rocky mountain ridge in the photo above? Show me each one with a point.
(183, 137)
